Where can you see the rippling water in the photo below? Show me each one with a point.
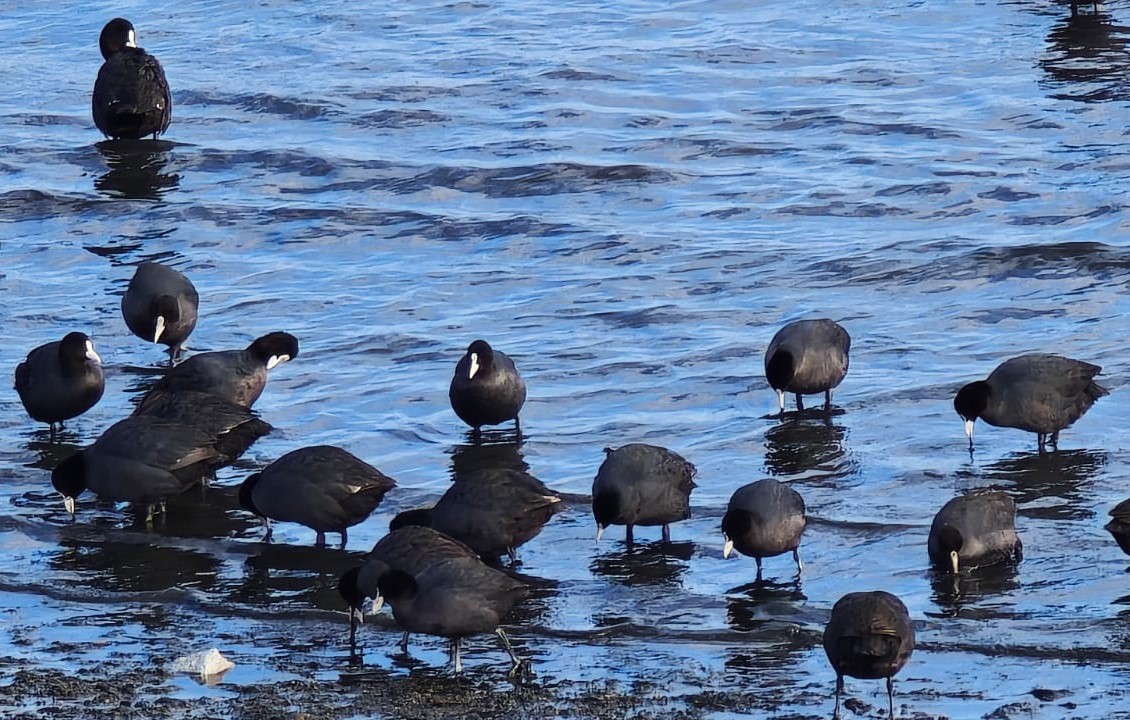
(629, 198)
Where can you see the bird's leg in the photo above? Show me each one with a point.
(267, 525)
(509, 650)
(512, 554)
(799, 564)
(320, 539)
(828, 400)
(1040, 442)
(404, 643)
(799, 402)
(1054, 440)
(666, 533)
(455, 651)
(628, 538)
(839, 691)
(891, 696)
(53, 430)
(517, 429)
(344, 538)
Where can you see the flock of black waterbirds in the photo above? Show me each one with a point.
(439, 568)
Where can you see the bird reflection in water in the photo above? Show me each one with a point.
(803, 442)
(136, 169)
(957, 594)
(496, 450)
(1088, 54)
(753, 607)
(651, 563)
(1036, 481)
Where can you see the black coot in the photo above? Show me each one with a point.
(1039, 393)
(411, 550)
(160, 305)
(131, 97)
(486, 388)
(492, 510)
(807, 357)
(764, 519)
(868, 636)
(233, 426)
(60, 380)
(455, 598)
(237, 376)
(322, 487)
(641, 484)
(973, 530)
(143, 460)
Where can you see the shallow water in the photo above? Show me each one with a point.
(629, 198)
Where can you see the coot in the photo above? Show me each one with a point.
(807, 357)
(60, 380)
(764, 519)
(1039, 393)
(322, 487)
(868, 636)
(160, 305)
(1119, 525)
(973, 530)
(640, 484)
(131, 97)
(486, 388)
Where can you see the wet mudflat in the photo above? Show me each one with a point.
(629, 199)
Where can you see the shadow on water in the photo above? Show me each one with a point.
(1088, 56)
(645, 563)
(957, 595)
(496, 451)
(49, 453)
(299, 575)
(125, 561)
(749, 607)
(805, 441)
(1048, 486)
(136, 169)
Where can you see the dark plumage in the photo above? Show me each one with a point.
(764, 519)
(975, 529)
(641, 484)
(868, 636)
(160, 305)
(486, 388)
(1119, 525)
(1039, 393)
(143, 460)
(454, 599)
(237, 376)
(807, 357)
(492, 510)
(131, 97)
(233, 426)
(411, 550)
(60, 380)
(322, 487)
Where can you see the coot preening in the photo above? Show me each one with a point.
(411, 550)
(640, 484)
(492, 510)
(131, 97)
(238, 376)
(322, 487)
(60, 380)
(486, 388)
(764, 519)
(1039, 393)
(142, 460)
(455, 598)
(868, 636)
(974, 530)
(1119, 525)
(807, 357)
(160, 306)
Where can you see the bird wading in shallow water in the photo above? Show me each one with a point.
(1039, 393)
(486, 388)
(131, 97)
(807, 357)
(60, 380)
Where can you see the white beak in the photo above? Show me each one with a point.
(90, 354)
(953, 560)
(276, 360)
(377, 604)
(969, 430)
(474, 365)
(599, 532)
(69, 504)
(781, 400)
(160, 329)
(131, 41)
(727, 548)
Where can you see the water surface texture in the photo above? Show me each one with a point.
(629, 198)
